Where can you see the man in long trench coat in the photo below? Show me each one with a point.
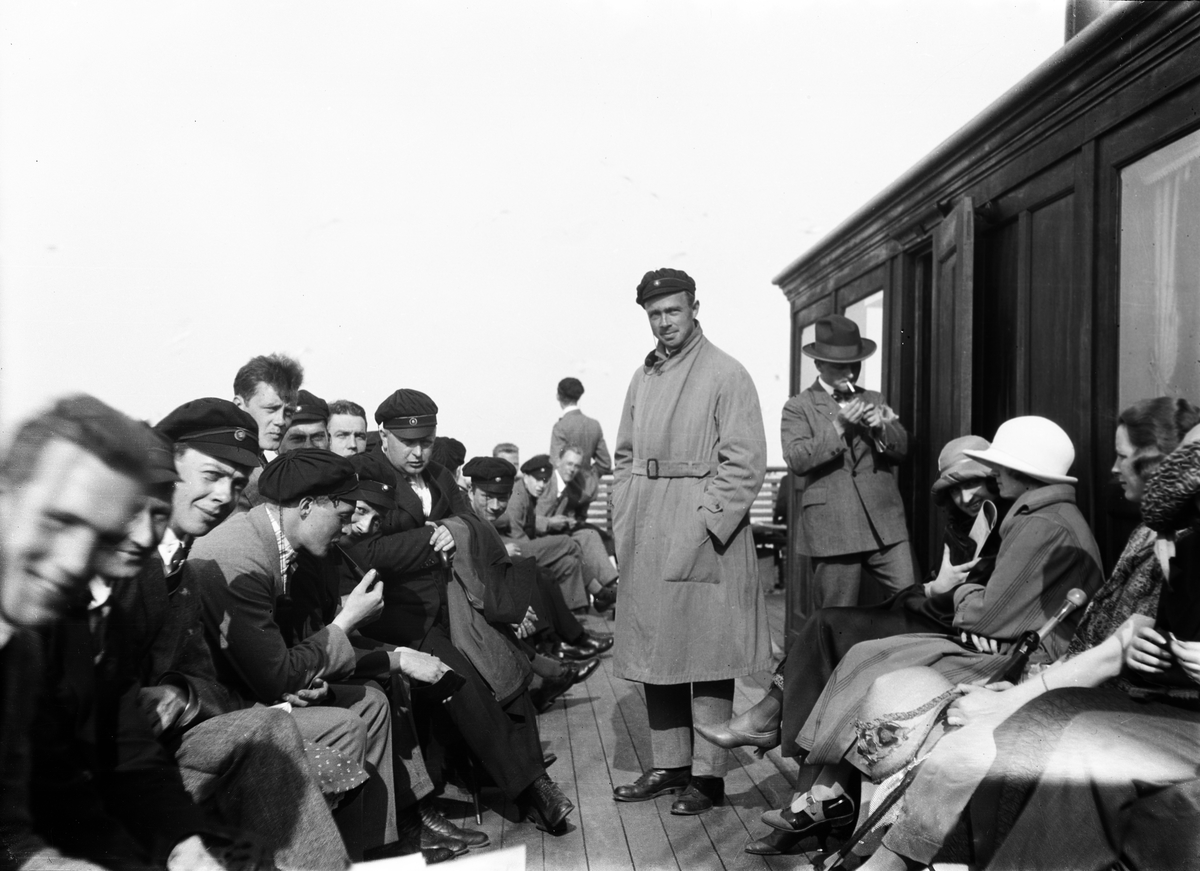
(690, 458)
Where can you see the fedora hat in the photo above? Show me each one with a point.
(838, 341)
(898, 713)
(1032, 445)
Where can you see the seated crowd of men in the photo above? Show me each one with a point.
(209, 659)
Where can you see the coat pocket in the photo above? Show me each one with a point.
(815, 496)
(691, 554)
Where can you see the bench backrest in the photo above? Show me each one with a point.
(760, 512)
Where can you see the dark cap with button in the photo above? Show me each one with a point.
(310, 409)
(376, 480)
(408, 414)
(663, 282)
(309, 472)
(539, 467)
(215, 427)
(491, 475)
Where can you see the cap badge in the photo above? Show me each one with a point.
(412, 421)
(239, 434)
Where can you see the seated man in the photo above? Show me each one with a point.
(308, 426)
(410, 554)
(266, 389)
(251, 574)
(347, 428)
(72, 480)
(508, 451)
(248, 766)
(562, 507)
(491, 486)
(557, 555)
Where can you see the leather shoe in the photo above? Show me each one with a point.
(653, 783)
(585, 649)
(432, 839)
(432, 818)
(816, 816)
(600, 635)
(601, 642)
(583, 670)
(548, 808)
(775, 843)
(702, 794)
(605, 598)
(553, 687)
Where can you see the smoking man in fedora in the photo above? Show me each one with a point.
(690, 458)
(845, 442)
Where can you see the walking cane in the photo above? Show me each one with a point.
(1019, 658)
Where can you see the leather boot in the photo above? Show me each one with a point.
(546, 805)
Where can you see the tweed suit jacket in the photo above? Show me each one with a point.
(240, 584)
(574, 499)
(850, 503)
(576, 428)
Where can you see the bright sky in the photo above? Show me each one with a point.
(455, 197)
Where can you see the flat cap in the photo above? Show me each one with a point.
(216, 427)
(310, 409)
(449, 452)
(491, 475)
(663, 282)
(409, 414)
(376, 480)
(540, 467)
(309, 472)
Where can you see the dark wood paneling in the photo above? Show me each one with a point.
(996, 328)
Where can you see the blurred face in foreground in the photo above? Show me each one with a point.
(142, 535)
(51, 526)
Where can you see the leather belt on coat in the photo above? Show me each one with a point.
(666, 469)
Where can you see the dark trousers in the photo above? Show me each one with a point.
(821, 642)
(552, 611)
(505, 739)
(836, 580)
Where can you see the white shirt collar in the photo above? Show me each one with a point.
(568, 409)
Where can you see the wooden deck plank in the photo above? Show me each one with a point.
(689, 840)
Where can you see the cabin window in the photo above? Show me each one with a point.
(1160, 274)
(868, 314)
(808, 366)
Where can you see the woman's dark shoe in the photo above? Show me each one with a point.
(724, 735)
(547, 807)
(432, 818)
(702, 794)
(807, 812)
(653, 783)
(777, 843)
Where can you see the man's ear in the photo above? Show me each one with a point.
(239, 402)
(305, 505)
(383, 440)
(695, 307)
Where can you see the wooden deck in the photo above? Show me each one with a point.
(600, 734)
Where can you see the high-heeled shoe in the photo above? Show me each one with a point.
(724, 735)
(835, 809)
(777, 843)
